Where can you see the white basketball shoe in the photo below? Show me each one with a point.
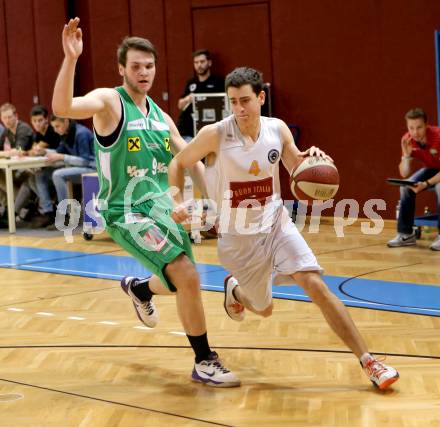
(381, 375)
(212, 373)
(233, 308)
(402, 240)
(435, 246)
(145, 310)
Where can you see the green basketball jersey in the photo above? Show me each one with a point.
(133, 171)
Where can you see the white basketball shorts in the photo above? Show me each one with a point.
(260, 260)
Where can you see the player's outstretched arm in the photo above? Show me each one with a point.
(291, 156)
(195, 166)
(63, 102)
(204, 143)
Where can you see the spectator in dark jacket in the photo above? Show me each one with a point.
(44, 137)
(77, 153)
(15, 139)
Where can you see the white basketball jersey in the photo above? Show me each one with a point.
(244, 180)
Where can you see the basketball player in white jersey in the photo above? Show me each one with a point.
(257, 237)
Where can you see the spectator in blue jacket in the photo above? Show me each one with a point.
(77, 153)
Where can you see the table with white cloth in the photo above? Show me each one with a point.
(19, 163)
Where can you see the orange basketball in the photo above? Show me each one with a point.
(314, 179)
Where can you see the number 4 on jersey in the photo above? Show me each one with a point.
(255, 168)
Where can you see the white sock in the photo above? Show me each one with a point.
(365, 358)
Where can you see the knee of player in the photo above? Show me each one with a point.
(267, 311)
(182, 272)
(313, 284)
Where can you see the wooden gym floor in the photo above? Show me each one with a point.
(72, 352)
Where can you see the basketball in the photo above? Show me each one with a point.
(314, 179)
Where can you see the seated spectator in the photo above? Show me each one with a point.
(15, 139)
(17, 135)
(44, 134)
(422, 142)
(77, 153)
(44, 137)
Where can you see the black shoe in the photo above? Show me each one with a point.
(52, 227)
(44, 220)
(21, 223)
(3, 222)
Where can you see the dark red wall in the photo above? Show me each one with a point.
(30, 51)
(4, 66)
(345, 72)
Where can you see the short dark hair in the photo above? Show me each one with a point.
(136, 43)
(53, 117)
(39, 110)
(416, 113)
(199, 52)
(245, 75)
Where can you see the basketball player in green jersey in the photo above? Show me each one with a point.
(134, 143)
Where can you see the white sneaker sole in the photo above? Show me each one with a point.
(238, 317)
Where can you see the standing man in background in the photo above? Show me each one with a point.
(203, 81)
(421, 142)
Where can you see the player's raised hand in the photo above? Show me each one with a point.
(72, 39)
(406, 145)
(315, 151)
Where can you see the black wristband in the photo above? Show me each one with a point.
(428, 184)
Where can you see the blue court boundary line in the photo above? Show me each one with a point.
(400, 297)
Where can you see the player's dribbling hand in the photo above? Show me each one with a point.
(315, 151)
(180, 214)
(72, 39)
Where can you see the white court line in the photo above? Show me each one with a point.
(177, 333)
(33, 267)
(36, 260)
(14, 309)
(290, 295)
(10, 397)
(108, 322)
(365, 303)
(391, 305)
(44, 313)
(212, 286)
(143, 328)
(76, 318)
